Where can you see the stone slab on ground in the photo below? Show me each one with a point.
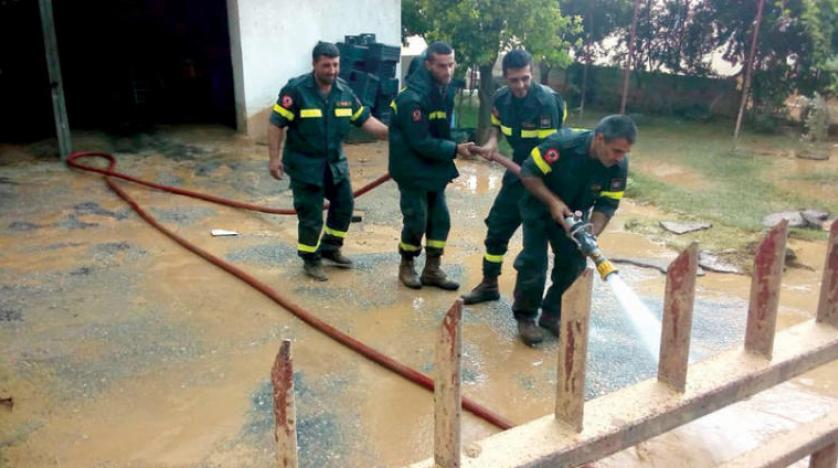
(679, 228)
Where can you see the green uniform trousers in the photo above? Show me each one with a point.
(531, 264)
(425, 214)
(502, 222)
(308, 201)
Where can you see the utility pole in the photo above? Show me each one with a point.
(629, 57)
(59, 107)
(749, 65)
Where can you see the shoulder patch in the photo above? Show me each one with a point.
(417, 115)
(617, 185)
(552, 155)
(287, 101)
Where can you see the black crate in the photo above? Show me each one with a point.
(383, 70)
(383, 53)
(360, 39)
(352, 56)
(389, 86)
(365, 86)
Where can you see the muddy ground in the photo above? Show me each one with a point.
(120, 348)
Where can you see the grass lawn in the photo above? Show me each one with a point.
(691, 170)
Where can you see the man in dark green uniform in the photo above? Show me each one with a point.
(571, 171)
(317, 109)
(526, 113)
(422, 164)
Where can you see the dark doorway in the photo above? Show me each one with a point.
(128, 64)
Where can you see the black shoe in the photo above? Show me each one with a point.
(337, 258)
(314, 269)
(530, 334)
(486, 291)
(550, 324)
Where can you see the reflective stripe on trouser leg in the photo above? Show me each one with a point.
(414, 207)
(341, 204)
(531, 265)
(439, 223)
(502, 222)
(568, 264)
(308, 201)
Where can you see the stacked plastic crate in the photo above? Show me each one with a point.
(370, 69)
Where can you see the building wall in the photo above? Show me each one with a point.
(271, 42)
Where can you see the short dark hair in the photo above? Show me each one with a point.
(324, 48)
(437, 48)
(617, 126)
(517, 58)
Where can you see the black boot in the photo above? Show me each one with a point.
(335, 256)
(529, 332)
(487, 290)
(550, 324)
(407, 273)
(314, 269)
(432, 275)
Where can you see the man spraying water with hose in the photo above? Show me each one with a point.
(570, 172)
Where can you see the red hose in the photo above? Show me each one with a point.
(332, 332)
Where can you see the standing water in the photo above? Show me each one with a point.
(647, 326)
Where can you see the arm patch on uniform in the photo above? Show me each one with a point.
(616, 184)
(287, 101)
(552, 155)
(417, 115)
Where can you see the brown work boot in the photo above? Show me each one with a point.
(432, 275)
(487, 290)
(337, 258)
(529, 332)
(550, 324)
(407, 274)
(314, 269)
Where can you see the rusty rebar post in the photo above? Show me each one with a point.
(826, 457)
(447, 388)
(573, 351)
(678, 319)
(828, 302)
(285, 413)
(765, 291)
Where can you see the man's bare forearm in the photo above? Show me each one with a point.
(275, 137)
(599, 221)
(375, 128)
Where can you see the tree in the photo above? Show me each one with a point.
(480, 29)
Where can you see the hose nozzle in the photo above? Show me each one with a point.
(581, 233)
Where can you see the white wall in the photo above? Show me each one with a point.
(272, 40)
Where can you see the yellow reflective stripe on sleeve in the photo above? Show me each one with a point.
(506, 130)
(284, 112)
(539, 161)
(612, 195)
(529, 133)
(436, 243)
(437, 115)
(343, 112)
(493, 258)
(546, 133)
(357, 113)
(394, 106)
(308, 248)
(408, 247)
(309, 113)
(564, 114)
(495, 120)
(335, 232)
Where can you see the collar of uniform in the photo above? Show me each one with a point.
(311, 82)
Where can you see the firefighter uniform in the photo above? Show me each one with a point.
(422, 162)
(314, 159)
(582, 183)
(525, 123)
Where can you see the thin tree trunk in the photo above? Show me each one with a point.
(484, 94)
(587, 65)
(629, 57)
(545, 73)
(746, 86)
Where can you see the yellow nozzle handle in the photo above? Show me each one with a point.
(605, 268)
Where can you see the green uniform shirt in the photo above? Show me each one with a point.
(421, 149)
(316, 127)
(528, 121)
(577, 178)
